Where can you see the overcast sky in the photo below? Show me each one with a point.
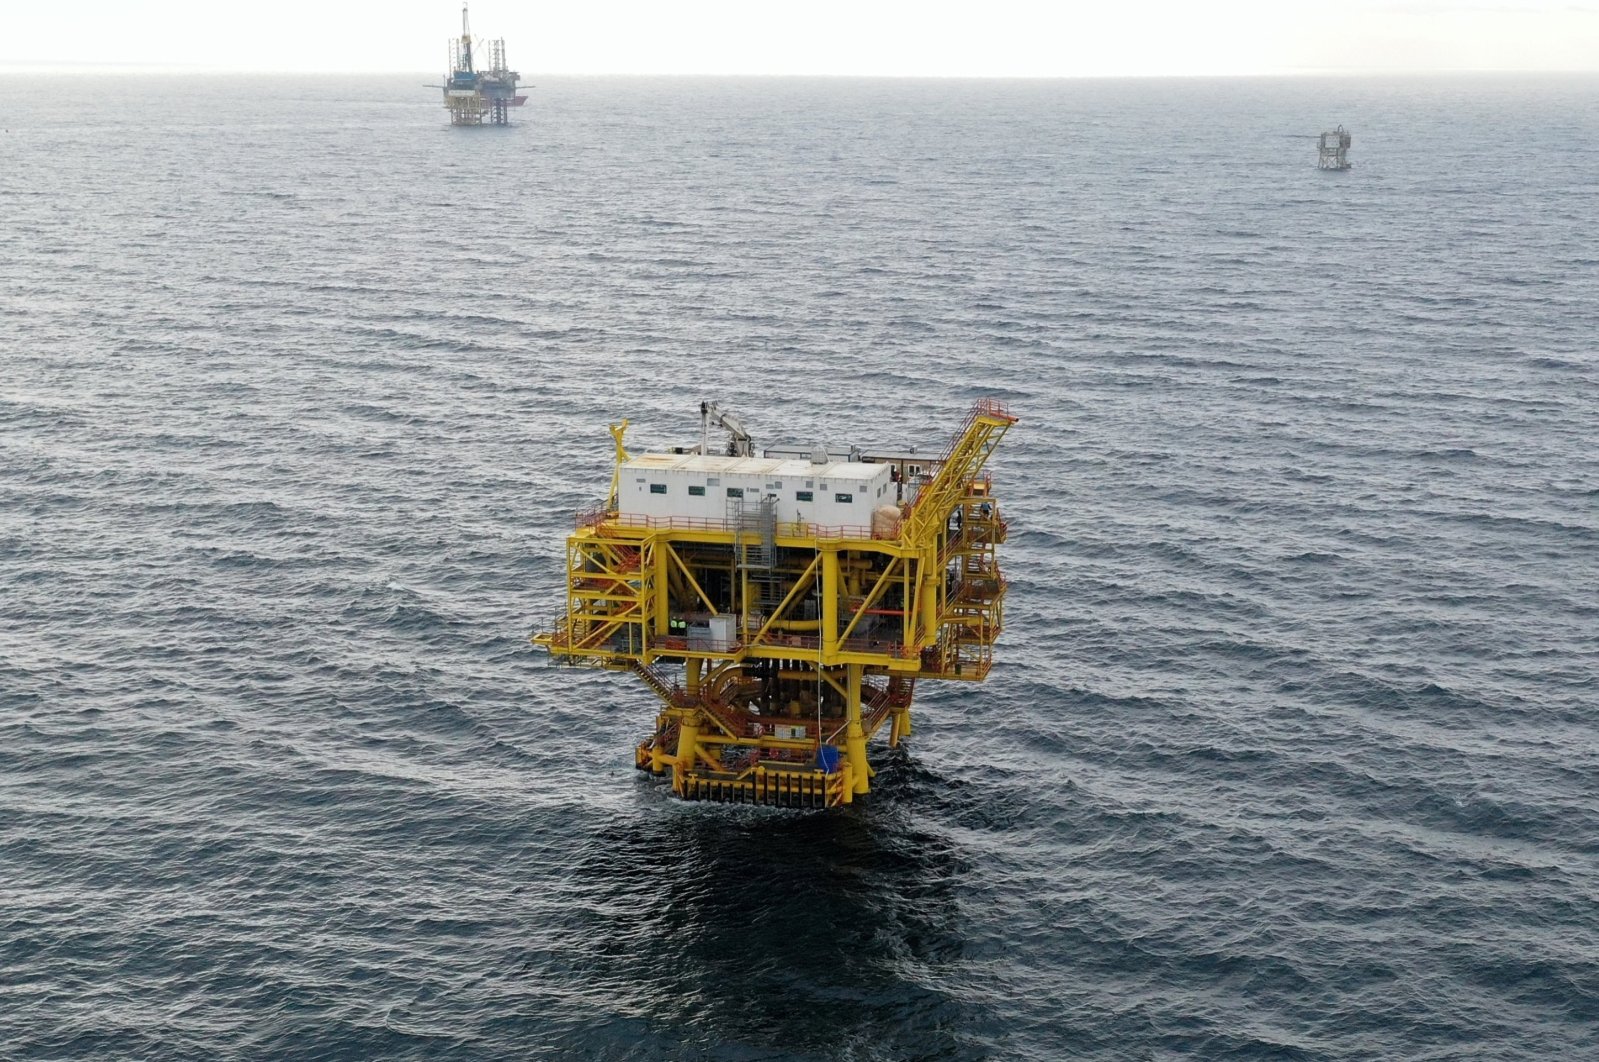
(890, 37)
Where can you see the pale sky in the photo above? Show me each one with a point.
(984, 38)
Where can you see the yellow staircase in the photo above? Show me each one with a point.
(968, 451)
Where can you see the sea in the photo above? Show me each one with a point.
(1291, 746)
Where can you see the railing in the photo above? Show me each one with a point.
(618, 583)
(993, 407)
(956, 543)
(813, 644)
(554, 633)
(970, 668)
(585, 633)
(982, 591)
(588, 517)
(876, 703)
(678, 643)
(595, 517)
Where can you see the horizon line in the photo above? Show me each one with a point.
(25, 66)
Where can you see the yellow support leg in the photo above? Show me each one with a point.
(828, 632)
(659, 758)
(932, 587)
(899, 727)
(854, 734)
(688, 740)
(660, 607)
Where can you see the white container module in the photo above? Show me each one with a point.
(689, 490)
(724, 633)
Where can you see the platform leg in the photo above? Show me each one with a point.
(855, 734)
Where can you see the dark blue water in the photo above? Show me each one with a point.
(1291, 747)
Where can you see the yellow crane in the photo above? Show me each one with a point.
(783, 606)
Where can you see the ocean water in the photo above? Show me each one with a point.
(1292, 744)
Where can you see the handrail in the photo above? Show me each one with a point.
(812, 643)
(600, 516)
(590, 515)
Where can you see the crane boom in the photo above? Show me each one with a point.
(739, 445)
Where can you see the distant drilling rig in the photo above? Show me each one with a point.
(479, 97)
(1334, 150)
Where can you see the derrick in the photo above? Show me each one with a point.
(479, 86)
(783, 606)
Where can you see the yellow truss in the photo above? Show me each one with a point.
(859, 621)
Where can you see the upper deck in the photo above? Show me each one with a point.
(696, 487)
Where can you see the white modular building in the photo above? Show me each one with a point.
(696, 487)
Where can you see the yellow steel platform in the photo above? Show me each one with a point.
(779, 648)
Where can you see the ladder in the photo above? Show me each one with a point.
(755, 546)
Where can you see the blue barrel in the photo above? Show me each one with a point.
(827, 758)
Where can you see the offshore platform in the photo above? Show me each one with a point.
(476, 96)
(1333, 150)
(782, 605)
